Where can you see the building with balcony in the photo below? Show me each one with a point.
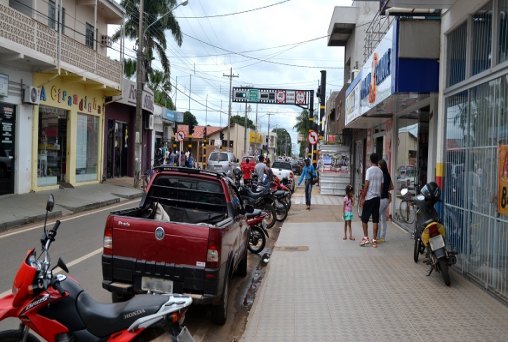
(54, 77)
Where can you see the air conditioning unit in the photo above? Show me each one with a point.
(106, 41)
(149, 122)
(31, 95)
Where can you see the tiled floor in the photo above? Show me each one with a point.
(329, 289)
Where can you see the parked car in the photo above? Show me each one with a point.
(283, 169)
(296, 166)
(220, 161)
(189, 234)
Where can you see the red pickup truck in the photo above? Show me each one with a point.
(189, 235)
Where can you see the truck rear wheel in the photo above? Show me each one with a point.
(220, 312)
(241, 271)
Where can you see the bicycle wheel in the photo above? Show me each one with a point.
(404, 211)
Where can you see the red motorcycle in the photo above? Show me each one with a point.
(58, 309)
(257, 232)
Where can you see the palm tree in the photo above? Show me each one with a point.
(161, 86)
(302, 127)
(155, 39)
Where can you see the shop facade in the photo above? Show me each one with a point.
(66, 134)
(474, 137)
(119, 132)
(15, 120)
(391, 105)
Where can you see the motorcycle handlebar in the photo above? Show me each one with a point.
(52, 232)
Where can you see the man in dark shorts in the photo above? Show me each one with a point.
(372, 190)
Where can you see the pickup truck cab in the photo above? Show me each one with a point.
(189, 235)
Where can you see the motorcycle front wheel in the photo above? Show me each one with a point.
(257, 240)
(443, 268)
(271, 218)
(282, 211)
(417, 247)
(16, 336)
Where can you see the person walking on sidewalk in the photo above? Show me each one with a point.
(348, 204)
(385, 201)
(372, 191)
(308, 172)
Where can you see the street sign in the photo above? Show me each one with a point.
(180, 135)
(253, 95)
(271, 96)
(312, 138)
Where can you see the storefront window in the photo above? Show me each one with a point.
(406, 168)
(87, 148)
(481, 39)
(503, 30)
(456, 61)
(51, 163)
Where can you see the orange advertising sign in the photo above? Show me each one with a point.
(502, 175)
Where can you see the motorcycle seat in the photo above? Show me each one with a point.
(280, 193)
(103, 320)
(255, 213)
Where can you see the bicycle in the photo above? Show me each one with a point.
(359, 200)
(407, 211)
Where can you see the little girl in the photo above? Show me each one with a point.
(348, 212)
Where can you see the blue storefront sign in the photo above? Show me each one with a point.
(385, 74)
(171, 115)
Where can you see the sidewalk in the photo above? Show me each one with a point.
(17, 210)
(319, 287)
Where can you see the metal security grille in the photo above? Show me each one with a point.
(476, 123)
(456, 58)
(481, 40)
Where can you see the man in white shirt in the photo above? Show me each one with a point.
(372, 187)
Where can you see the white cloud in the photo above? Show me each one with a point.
(268, 34)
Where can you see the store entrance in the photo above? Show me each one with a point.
(7, 143)
(52, 146)
(117, 150)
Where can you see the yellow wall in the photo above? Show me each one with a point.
(75, 96)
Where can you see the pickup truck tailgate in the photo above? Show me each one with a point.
(156, 241)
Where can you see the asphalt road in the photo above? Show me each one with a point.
(79, 244)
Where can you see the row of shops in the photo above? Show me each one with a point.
(70, 134)
(431, 99)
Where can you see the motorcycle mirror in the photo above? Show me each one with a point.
(62, 265)
(51, 203)
(404, 191)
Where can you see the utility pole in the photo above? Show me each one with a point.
(229, 110)
(139, 96)
(268, 135)
(247, 109)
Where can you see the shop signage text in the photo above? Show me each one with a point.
(63, 96)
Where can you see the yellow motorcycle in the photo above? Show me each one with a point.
(429, 233)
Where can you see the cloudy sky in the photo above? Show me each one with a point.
(278, 44)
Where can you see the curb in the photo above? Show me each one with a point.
(91, 206)
(27, 220)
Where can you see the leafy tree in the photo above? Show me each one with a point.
(155, 38)
(161, 87)
(283, 142)
(189, 119)
(240, 120)
(302, 127)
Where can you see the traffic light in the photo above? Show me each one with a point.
(221, 135)
(240, 94)
(191, 129)
(318, 92)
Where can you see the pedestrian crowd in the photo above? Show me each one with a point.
(173, 157)
(374, 198)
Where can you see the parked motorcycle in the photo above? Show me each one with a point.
(262, 200)
(58, 309)
(429, 232)
(257, 232)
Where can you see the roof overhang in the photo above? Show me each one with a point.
(342, 25)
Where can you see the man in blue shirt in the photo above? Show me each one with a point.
(308, 173)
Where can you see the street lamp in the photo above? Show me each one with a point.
(139, 88)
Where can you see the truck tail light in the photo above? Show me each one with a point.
(213, 251)
(107, 243)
